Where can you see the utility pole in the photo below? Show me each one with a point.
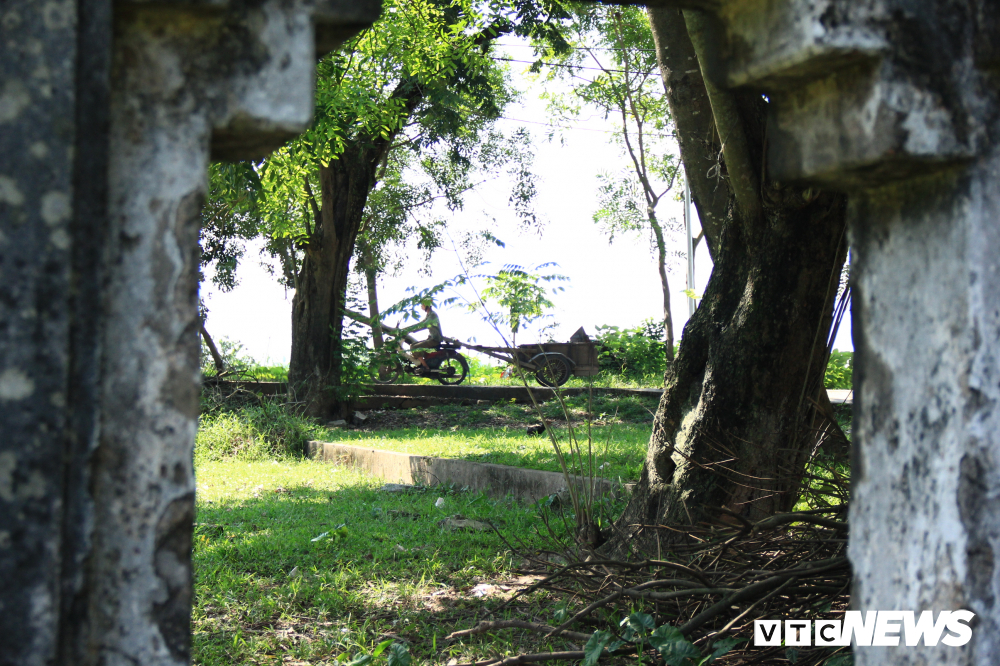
(692, 303)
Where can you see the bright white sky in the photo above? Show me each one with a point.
(614, 284)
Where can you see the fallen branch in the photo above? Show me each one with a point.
(483, 627)
(797, 517)
(546, 656)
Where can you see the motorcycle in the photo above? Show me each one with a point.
(444, 364)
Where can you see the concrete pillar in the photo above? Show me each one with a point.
(108, 118)
(895, 101)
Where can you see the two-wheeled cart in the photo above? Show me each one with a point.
(552, 363)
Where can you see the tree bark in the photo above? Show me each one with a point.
(661, 265)
(315, 368)
(696, 136)
(730, 432)
(220, 365)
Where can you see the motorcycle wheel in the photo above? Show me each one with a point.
(453, 370)
(388, 372)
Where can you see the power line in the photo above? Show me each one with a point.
(558, 64)
(584, 48)
(585, 129)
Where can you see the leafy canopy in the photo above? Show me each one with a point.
(421, 79)
(423, 85)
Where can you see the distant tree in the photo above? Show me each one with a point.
(230, 218)
(628, 90)
(521, 295)
(421, 82)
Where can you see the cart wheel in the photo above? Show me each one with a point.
(389, 371)
(553, 368)
(453, 370)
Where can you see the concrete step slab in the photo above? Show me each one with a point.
(493, 480)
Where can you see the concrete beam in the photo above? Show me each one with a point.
(108, 118)
(896, 102)
(494, 480)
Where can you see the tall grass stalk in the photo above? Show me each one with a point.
(253, 432)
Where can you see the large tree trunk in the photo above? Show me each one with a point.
(730, 429)
(315, 368)
(730, 432)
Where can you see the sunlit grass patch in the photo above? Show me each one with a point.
(619, 429)
(618, 450)
(306, 561)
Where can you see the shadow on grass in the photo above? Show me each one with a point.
(315, 573)
(620, 448)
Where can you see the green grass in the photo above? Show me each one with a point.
(262, 429)
(497, 433)
(304, 562)
(620, 449)
(389, 573)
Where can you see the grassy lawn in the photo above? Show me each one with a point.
(496, 433)
(302, 562)
(618, 451)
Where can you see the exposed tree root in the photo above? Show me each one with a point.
(791, 565)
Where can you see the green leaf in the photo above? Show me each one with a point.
(595, 646)
(562, 613)
(723, 646)
(792, 655)
(679, 653)
(380, 648)
(360, 660)
(641, 622)
(665, 634)
(841, 660)
(720, 648)
(399, 655)
(673, 647)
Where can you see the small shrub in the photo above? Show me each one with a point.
(239, 364)
(633, 353)
(249, 432)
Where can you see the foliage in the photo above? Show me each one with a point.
(230, 217)
(232, 352)
(840, 371)
(634, 353)
(263, 429)
(629, 89)
(640, 630)
(239, 364)
(398, 654)
(422, 82)
(356, 358)
(520, 294)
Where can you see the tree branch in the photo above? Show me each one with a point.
(484, 627)
(315, 210)
(692, 114)
(728, 123)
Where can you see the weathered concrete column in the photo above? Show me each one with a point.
(107, 122)
(896, 102)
